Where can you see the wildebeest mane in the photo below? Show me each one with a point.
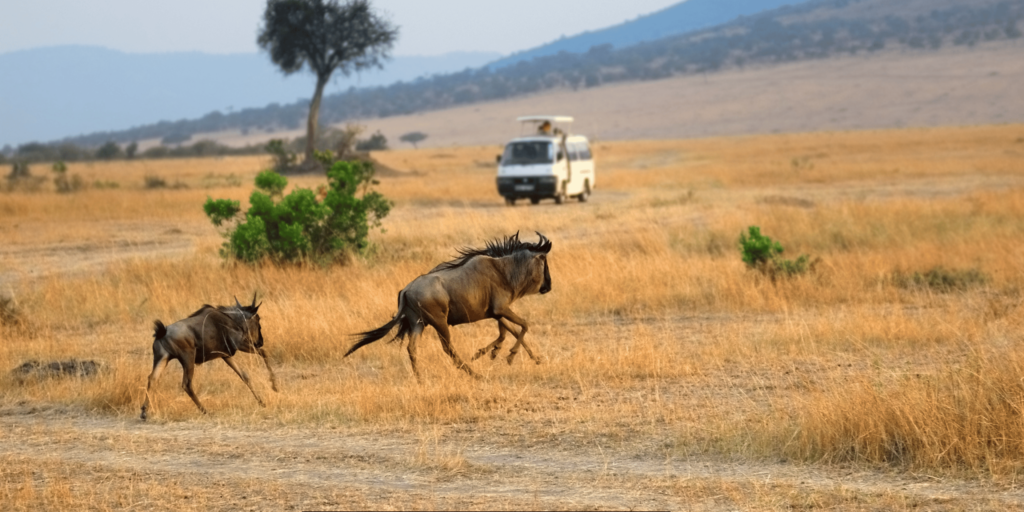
(497, 248)
(226, 310)
(221, 316)
(200, 310)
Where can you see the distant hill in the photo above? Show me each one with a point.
(681, 18)
(49, 93)
(816, 29)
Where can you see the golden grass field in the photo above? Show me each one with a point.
(673, 377)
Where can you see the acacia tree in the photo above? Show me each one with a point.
(413, 138)
(325, 36)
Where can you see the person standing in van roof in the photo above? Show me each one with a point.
(545, 128)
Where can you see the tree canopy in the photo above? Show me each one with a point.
(324, 36)
(413, 138)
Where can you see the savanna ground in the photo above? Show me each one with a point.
(673, 377)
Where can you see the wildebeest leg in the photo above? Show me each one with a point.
(495, 345)
(159, 363)
(446, 343)
(245, 378)
(188, 364)
(273, 380)
(520, 339)
(414, 336)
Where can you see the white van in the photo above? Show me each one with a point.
(547, 163)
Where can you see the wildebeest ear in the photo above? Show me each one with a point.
(256, 307)
(239, 306)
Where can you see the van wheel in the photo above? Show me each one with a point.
(510, 201)
(534, 200)
(560, 196)
(586, 192)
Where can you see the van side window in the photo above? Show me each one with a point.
(574, 151)
(585, 152)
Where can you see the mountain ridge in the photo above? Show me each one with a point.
(676, 19)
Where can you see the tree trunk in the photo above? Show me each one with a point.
(311, 123)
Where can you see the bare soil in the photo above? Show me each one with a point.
(461, 469)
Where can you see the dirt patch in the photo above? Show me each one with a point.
(451, 467)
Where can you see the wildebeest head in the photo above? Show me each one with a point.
(539, 275)
(248, 317)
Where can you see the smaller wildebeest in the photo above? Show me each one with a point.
(209, 333)
(479, 284)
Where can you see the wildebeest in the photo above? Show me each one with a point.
(479, 284)
(209, 333)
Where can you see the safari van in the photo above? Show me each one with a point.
(547, 162)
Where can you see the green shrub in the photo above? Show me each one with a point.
(376, 142)
(284, 160)
(271, 183)
(758, 250)
(303, 225)
(62, 182)
(762, 253)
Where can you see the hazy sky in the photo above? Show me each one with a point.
(229, 26)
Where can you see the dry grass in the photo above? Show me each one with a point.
(658, 343)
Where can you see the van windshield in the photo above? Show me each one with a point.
(526, 153)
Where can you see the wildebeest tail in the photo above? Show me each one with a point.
(365, 338)
(159, 331)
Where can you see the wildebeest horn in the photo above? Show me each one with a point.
(236, 302)
(544, 245)
(253, 300)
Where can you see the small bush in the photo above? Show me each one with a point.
(284, 160)
(941, 279)
(303, 225)
(105, 184)
(758, 250)
(21, 178)
(762, 253)
(63, 183)
(19, 170)
(376, 142)
(155, 182)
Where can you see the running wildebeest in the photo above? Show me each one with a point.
(479, 284)
(209, 333)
